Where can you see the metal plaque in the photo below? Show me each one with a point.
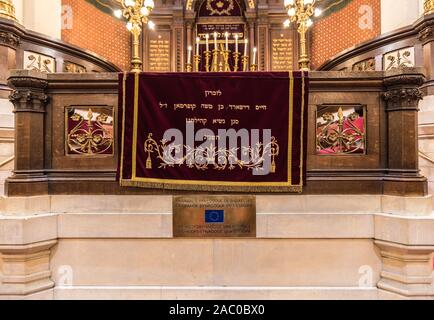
(207, 216)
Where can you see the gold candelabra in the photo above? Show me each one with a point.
(219, 59)
(428, 6)
(136, 12)
(7, 10)
(300, 12)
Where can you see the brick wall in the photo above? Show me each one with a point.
(98, 32)
(344, 29)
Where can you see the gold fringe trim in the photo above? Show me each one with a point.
(205, 187)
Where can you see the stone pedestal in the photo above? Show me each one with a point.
(307, 247)
(402, 98)
(25, 269)
(29, 101)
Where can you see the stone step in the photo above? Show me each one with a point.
(4, 174)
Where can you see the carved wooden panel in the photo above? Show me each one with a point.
(398, 59)
(71, 67)
(39, 62)
(365, 65)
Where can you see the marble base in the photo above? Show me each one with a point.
(307, 247)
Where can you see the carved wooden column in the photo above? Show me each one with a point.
(402, 99)
(9, 42)
(251, 25)
(425, 26)
(263, 40)
(178, 41)
(189, 23)
(30, 102)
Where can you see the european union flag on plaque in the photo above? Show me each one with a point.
(214, 216)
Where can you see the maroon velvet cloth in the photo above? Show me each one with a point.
(244, 88)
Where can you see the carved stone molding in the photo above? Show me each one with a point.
(404, 80)
(25, 269)
(400, 99)
(29, 91)
(403, 92)
(407, 270)
(9, 39)
(427, 35)
(28, 101)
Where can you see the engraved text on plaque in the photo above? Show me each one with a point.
(214, 216)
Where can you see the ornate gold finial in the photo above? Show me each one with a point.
(7, 10)
(428, 6)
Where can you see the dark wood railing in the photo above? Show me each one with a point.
(383, 161)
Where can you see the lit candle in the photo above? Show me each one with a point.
(236, 42)
(215, 41)
(227, 43)
(245, 47)
(254, 55)
(207, 41)
(189, 54)
(197, 45)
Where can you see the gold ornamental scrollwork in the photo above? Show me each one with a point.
(204, 158)
(340, 134)
(7, 10)
(428, 6)
(90, 134)
(220, 7)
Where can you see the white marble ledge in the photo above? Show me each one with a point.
(270, 204)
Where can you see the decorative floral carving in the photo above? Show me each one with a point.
(71, 67)
(89, 134)
(340, 134)
(409, 95)
(220, 7)
(399, 59)
(39, 62)
(9, 39)
(365, 65)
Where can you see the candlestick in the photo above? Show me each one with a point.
(227, 67)
(245, 47)
(254, 55)
(189, 55)
(236, 55)
(227, 41)
(245, 60)
(207, 41)
(197, 59)
(215, 41)
(197, 45)
(207, 60)
(214, 65)
(236, 42)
